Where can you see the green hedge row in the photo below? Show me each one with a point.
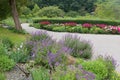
(79, 21)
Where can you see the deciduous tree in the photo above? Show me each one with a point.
(9, 8)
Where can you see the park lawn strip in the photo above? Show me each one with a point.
(14, 37)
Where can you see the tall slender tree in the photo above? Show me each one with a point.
(15, 14)
(10, 8)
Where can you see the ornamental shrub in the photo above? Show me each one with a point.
(85, 30)
(110, 64)
(51, 11)
(97, 67)
(72, 14)
(103, 67)
(7, 42)
(20, 54)
(6, 64)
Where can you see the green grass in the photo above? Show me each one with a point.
(14, 37)
(10, 22)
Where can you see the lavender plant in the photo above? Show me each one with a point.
(39, 36)
(79, 48)
(46, 51)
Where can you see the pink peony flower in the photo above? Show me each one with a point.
(101, 25)
(114, 28)
(87, 25)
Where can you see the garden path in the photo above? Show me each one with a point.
(102, 44)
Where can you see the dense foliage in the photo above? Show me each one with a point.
(108, 9)
(80, 6)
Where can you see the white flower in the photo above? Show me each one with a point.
(21, 45)
(18, 49)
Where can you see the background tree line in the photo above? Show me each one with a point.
(58, 8)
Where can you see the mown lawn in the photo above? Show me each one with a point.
(14, 37)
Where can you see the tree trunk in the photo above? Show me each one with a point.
(15, 14)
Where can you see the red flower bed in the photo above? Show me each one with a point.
(70, 24)
(87, 25)
(45, 23)
(101, 25)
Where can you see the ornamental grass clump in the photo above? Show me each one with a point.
(79, 48)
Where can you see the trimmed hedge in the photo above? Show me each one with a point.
(79, 21)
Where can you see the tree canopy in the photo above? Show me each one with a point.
(69, 5)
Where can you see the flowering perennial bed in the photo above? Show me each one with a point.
(80, 28)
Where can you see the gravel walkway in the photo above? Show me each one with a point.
(102, 44)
